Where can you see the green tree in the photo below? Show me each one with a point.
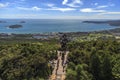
(71, 65)
(95, 66)
(79, 70)
(107, 68)
(82, 74)
(116, 67)
(71, 75)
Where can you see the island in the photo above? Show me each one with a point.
(15, 26)
(22, 22)
(111, 22)
(2, 21)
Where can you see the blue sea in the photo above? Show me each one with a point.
(50, 25)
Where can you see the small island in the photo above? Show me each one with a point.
(22, 22)
(111, 22)
(2, 21)
(15, 26)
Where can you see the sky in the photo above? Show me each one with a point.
(60, 9)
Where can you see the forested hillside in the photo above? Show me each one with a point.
(27, 61)
(94, 60)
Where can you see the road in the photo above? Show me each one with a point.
(60, 67)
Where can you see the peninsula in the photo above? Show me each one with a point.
(110, 22)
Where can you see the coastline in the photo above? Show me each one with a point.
(56, 35)
(51, 26)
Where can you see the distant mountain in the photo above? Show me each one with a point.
(110, 22)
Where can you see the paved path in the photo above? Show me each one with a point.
(58, 72)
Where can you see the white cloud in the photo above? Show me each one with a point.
(95, 4)
(112, 4)
(64, 2)
(103, 6)
(62, 9)
(3, 5)
(47, 16)
(50, 4)
(35, 8)
(53, 7)
(114, 13)
(74, 3)
(89, 10)
(26, 16)
(32, 8)
(22, 0)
